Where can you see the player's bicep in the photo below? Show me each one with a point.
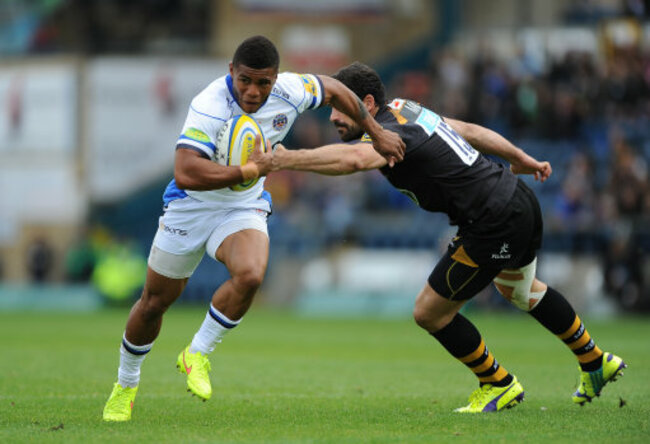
(199, 133)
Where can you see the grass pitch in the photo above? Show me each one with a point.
(280, 378)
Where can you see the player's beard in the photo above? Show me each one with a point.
(350, 132)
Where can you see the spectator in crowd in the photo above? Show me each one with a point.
(39, 260)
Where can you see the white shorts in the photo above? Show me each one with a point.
(189, 229)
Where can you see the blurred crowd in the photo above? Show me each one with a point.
(586, 112)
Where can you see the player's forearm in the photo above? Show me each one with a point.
(343, 99)
(486, 141)
(331, 160)
(193, 172)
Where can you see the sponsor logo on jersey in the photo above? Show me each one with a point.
(310, 84)
(503, 252)
(366, 138)
(280, 121)
(196, 134)
(278, 92)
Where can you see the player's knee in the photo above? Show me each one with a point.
(538, 286)
(521, 294)
(249, 279)
(429, 320)
(504, 290)
(152, 306)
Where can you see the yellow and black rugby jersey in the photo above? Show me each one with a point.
(441, 172)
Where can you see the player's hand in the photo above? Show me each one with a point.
(278, 152)
(390, 145)
(529, 165)
(262, 159)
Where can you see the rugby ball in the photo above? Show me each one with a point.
(235, 142)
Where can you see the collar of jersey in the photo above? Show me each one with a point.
(234, 97)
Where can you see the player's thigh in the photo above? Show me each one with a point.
(241, 242)
(245, 251)
(162, 290)
(456, 278)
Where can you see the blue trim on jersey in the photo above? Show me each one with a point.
(219, 318)
(267, 197)
(280, 97)
(207, 145)
(206, 115)
(134, 351)
(322, 92)
(172, 192)
(232, 92)
(193, 148)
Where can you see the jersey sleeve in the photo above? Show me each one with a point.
(308, 90)
(200, 132)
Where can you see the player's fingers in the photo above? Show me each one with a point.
(391, 161)
(258, 142)
(269, 148)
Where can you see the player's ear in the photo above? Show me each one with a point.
(230, 66)
(369, 101)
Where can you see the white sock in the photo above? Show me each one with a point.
(214, 328)
(131, 357)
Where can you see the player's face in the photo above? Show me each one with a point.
(252, 86)
(347, 128)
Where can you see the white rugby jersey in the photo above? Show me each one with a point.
(211, 108)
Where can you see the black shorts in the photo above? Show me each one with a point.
(481, 250)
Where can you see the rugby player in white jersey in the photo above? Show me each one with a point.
(203, 215)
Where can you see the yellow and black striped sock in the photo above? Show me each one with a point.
(461, 338)
(556, 314)
(577, 338)
(485, 367)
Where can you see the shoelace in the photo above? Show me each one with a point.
(204, 364)
(120, 396)
(476, 396)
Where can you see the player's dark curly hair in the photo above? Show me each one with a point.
(362, 80)
(257, 52)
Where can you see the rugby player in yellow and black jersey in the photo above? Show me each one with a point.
(499, 231)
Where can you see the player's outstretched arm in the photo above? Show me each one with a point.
(331, 160)
(490, 142)
(387, 143)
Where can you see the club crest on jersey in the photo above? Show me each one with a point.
(280, 121)
(366, 138)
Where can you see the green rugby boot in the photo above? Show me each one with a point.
(120, 403)
(591, 383)
(197, 367)
(489, 398)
